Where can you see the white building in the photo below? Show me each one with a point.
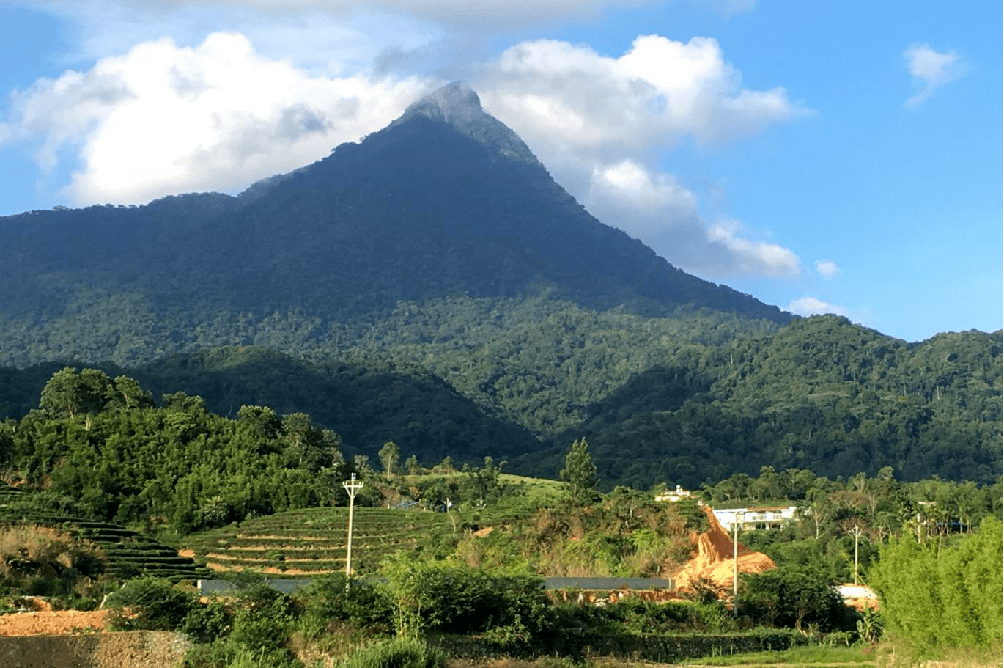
(755, 518)
(672, 496)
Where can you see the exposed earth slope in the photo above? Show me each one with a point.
(714, 562)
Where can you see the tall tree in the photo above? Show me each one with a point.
(68, 393)
(580, 472)
(390, 455)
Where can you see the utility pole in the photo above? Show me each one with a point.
(351, 486)
(857, 533)
(737, 519)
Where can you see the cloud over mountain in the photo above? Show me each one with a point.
(806, 306)
(163, 118)
(599, 123)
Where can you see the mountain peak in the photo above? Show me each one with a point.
(454, 103)
(458, 105)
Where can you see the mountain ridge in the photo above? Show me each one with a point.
(443, 201)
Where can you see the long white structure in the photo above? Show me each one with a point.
(755, 518)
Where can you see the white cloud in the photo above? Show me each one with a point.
(931, 69)
(657, 209)
(600, 123)
(754, 257)
(827, 268)
(653, 200)
(658, 92)
(163, 119)
(811, 306)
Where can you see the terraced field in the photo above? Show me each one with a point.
(128, 553)
(312, 541)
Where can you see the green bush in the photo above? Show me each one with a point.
(935, 598)
(207, 622)
(262, 618)
(400, 652)
(253, 631)
(454, 598)
(150, 604)
(794, 597)
(336, 598)
(639, 617)
(228, 654)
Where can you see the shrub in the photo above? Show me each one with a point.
(150, 604)
(252, 631)
(791, 596)
(207, 622)
(936, 599)
(336, 598)
(227, 654)
(400, 652)
(262, 618)
(453, 598)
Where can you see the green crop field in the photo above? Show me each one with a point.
(312, 541)
(127, 553)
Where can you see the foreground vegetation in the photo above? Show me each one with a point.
(429, 609)
(462, 549)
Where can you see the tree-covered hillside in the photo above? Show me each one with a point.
(103, 443)
(820, 394)
(686, 400)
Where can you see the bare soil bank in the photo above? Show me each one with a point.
(120, 649)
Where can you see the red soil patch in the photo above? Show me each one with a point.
(714, 561)
(51, 622)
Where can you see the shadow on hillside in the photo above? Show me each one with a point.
(423, 416)
(629, 429)
(659, 389)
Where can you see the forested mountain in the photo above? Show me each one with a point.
(445, 202)
(432, 285)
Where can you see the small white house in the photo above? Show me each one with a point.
(672, 496)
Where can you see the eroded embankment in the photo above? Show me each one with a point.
(714, 561)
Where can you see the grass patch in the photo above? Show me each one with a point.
(818, 656)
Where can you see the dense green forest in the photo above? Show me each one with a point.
(102, 443)
(678, 400)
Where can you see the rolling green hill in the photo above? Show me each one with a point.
(659, 400)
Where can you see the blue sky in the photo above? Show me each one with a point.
(822, 156)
